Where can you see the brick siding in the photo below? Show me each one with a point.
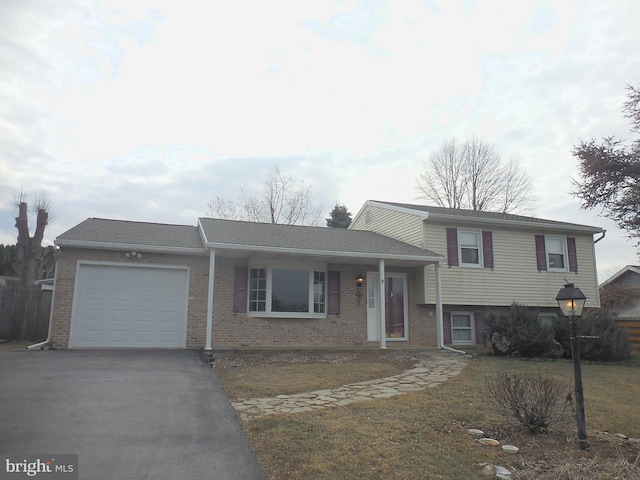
(230, 329)
(65, 286)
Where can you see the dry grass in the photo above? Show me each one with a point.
(244, 374)
(424, 435)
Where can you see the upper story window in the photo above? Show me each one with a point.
(469, 245)
(287, 292)
(469, 248)
(556, 253)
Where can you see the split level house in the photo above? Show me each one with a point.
(402, 276)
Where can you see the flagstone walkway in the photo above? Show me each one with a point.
(431, 369)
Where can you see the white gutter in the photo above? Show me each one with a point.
(439, 314)
(325, 253)
(39, 345)
(128, 246)
(541, 223)
(518, 223)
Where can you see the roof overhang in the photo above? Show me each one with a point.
(417, 213)
(520, 223)
(587, 229)
(329, 256)
(129, 246)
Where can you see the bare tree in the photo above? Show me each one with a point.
(442, 180)
(472, 176)
(480, 163)
(282, 200)
(516, 189)
(28, 247)
(616, 297)
(222, 208)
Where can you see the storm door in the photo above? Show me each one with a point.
(395, 307)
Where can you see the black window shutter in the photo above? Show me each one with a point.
(573, 256)
(487, 248)
(333, 290)
(541, 253)
(241, 274)
(452, 246)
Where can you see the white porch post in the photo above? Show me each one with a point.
(439, 318)
(212, 271)
(383, 306)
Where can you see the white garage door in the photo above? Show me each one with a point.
(121, 306)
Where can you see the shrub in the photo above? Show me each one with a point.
(535, 401)
(612, 342)
(519, 331)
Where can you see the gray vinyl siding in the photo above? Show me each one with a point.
(515, 276)
(385, 221)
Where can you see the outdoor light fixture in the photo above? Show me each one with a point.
(359, 283)
(571, 301)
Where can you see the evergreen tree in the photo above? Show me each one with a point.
(610, 172)
(340, 217)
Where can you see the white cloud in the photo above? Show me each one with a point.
(146, 110)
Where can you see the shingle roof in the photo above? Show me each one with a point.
(444, 212)
(629, 268)
(104, 232)
(236, 235)
(265, 236)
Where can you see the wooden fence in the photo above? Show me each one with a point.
(24, 312)
(633, 327)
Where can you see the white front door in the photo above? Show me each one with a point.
(396, 319)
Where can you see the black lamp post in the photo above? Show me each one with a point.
(571, 301)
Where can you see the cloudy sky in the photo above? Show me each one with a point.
(147, 109)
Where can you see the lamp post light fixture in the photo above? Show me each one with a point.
(571, 301)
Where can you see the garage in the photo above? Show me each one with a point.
(123, 306)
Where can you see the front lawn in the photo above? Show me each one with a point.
(424, 435)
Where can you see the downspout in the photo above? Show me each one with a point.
(604, 233)
(383, 307)
(454, 350)
(439, 315)
(595, 269)
(39, 345)
(212, 271)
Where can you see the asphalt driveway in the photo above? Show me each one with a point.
(136, 414)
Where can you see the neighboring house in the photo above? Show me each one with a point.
(620, 293)
(492, 260)
(401, 276)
